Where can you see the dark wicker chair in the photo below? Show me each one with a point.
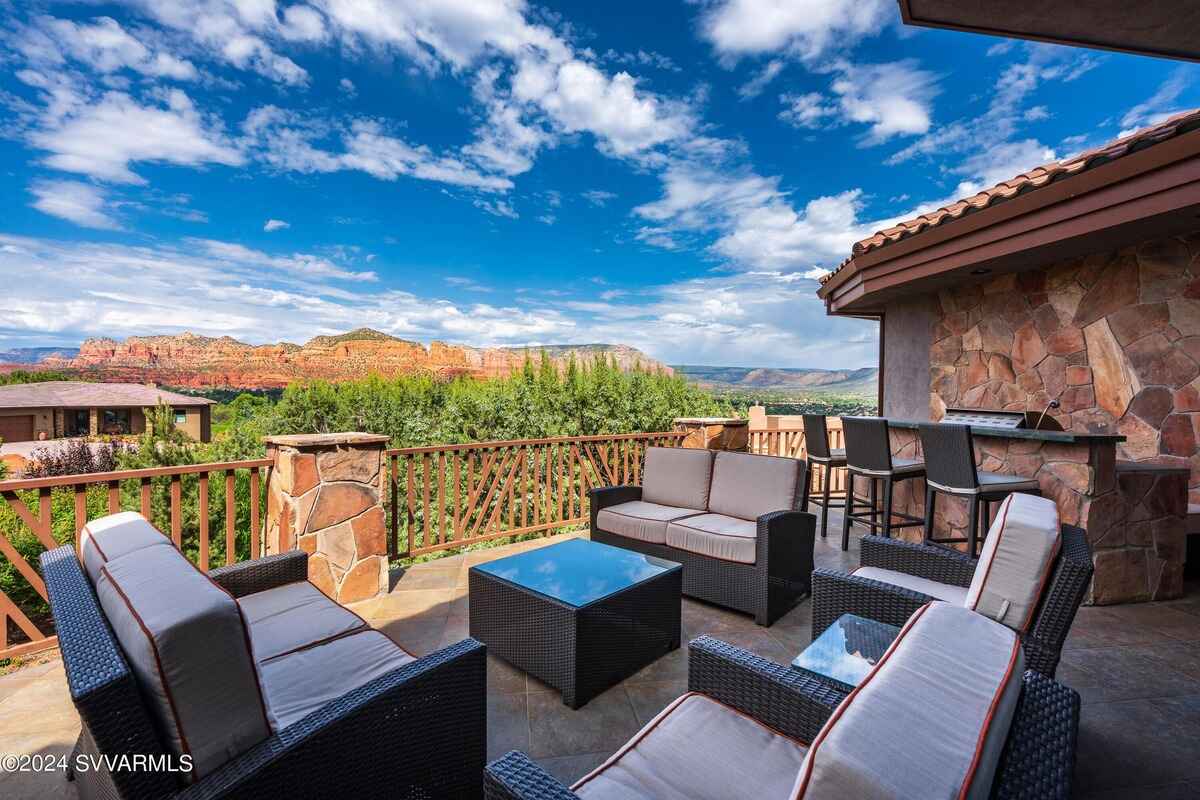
(1037, 762)
(418, 731)
(836, 593)
(770, 587)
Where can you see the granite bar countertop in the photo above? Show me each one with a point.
(1063, 437)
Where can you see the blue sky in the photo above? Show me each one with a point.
(669, 175)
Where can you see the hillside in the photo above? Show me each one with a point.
(35, 355)
(793, 380)
(191, 361)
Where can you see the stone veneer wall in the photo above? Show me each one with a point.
(1114, 336)
(325, 497)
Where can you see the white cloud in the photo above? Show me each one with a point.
(103, 45)
(105, 138)
(547, 219)
(497, 208)
(81, 203)
(303, 23)
(275, 225)
(808, 30)
(237, 32)
(1159, 106)
(894, 99)
(1000, 48)
(755, 224)
(598, 197)
(754, 86)
(347, 86)
(643, 58)
(808, 110)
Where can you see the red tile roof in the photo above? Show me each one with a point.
(1029, 181)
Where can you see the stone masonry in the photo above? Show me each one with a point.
(325, 497)
(1115, 338)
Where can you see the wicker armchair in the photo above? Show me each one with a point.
(836, 593)
(417, 731)
(1037, 760)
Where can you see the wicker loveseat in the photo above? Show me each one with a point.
(1045, 586)
(731, 519)
(248, 682)
(749, 727)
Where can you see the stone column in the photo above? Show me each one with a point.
(325, 496)
(714, 433)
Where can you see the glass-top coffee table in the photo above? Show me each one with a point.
(579, 615)
(846, 651)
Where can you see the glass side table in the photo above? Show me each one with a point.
(847, 650)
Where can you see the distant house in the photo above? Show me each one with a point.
(56, 409)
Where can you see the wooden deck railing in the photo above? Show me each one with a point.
(43, 513)
(449, 496)
(784, 436)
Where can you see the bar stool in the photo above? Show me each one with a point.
(820, 454)
(950, 464)
(869, 455)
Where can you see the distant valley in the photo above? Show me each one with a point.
(787, 381)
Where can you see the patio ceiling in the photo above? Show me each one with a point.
(1165, 28)
(1139, 187)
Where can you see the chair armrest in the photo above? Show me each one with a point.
(836, 593)
(1060, 601)
(923, 560)
(515, 777)
(606, 496)
(780, 697)
(1038, 760)
(263, 573)
(417, 731)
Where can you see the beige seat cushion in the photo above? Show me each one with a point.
(640, 520)
(929, 721)
(941, 591)
(747, 486)
(677, 476)
(113, 536)
(1016, 560)
(187, 644)
(292, 617)
(715, 535)
(698, 749)
(301, 682)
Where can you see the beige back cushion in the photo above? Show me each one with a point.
(1016, 560)
(677, 476)
(113, 536)
(188, 646)
(748, 486)
(931, 718)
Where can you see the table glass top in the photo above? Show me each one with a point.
(848, 649)
(577, 571)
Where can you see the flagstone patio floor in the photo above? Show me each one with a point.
(1137, 668)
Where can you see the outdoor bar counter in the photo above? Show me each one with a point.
(1135, 513)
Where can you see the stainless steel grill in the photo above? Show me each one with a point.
(986, 419)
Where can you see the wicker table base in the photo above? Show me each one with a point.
(579, 650)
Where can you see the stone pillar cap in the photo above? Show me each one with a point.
(325, 439)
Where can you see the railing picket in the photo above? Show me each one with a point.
(231, 518)
(425, 522)
(255, 492)
(80, 512)
(457, 495)
(114, 497)
(411, 515)
(203, 511)
(441, 498)
(176, 510)
(145, 497)
(394, 499)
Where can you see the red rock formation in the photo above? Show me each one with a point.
(200, 361)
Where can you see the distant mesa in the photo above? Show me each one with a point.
(203, 362)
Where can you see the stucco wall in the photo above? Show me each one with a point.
(907, 336)
(1114, 336)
